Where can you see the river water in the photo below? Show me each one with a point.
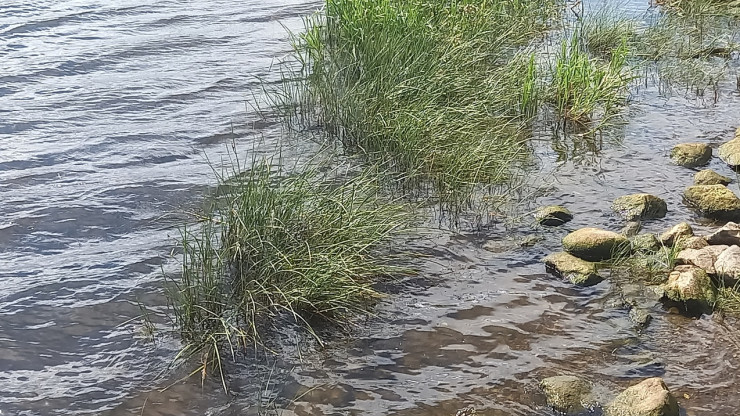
(111, 116)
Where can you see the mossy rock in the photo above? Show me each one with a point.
(678, 233)
(691, 155)
(730, 152)
(710, 177)
(640, 207)
(568, 394)
(645, 243)
(713, 201)
(594, 244)
(650, 397)
(690, 286)
(553, 215)
(580, 272)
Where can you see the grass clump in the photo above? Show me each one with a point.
(298, 246)
(439, 90)
(584, 88)
(605, 31)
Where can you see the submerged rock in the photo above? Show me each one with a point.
(691, 155)
(691, 286)
(713, 201)
(703, 258)
(646, 243)
(580, 272)
(727, 265)
(640, 317)
(640, 207)
(648, 398)
(678, 233)
(594, 244)
(729, 235)
(730, 152)
(553, 215)
(568, 394)
(710, 177)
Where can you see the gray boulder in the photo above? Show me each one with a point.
(580, 272)
(703, 258)
(713, 201)
(640, 207)
(594, 244)
(568, 394)
(729, 235)
(691, 155)
(648, 398)
(691, 286)
(730, 152)
(710, 177)
(553, 215)
(727, 265)
(677, 233)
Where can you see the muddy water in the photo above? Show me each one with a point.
(106, 113)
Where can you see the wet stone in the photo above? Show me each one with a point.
(710, 177)
(729, 235)
(640, 317)
(692, 287)
(640, 207)
(677, 233)
(580, 272)
(730, 152)
(594, 244)
(713, 201)
(553, 215)
(691, 155)
(650, 397)
(568, 394)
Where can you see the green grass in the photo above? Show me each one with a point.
(299, 246)
(584, 88)
(605, 31)
(438, 90)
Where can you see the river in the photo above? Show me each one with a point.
(112, 115)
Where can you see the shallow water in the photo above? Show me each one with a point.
(108, 118)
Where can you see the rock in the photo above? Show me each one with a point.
(568, 394)
(703, 258)
(640, 317)
(580, 272)
(648, 398)
(640, 207)
(691, 286)
(553, 215)
(691, 155)
(594, 244)
(646, 243)
(729, 235)
(727, 265)
(730, 152)
(710, 177)
(695, 242)
(676, 234)
(713, 201)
